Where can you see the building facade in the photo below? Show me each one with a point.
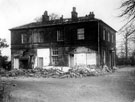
(63, 42)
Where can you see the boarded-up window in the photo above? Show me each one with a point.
(80, 34)
(60, 36)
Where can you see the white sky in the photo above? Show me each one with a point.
(18, 12)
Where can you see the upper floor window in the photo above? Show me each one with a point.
(38, 37)
(80, 34)
(24, 38)
(112, 38)
(35, 36)
(104, 34)
(108, 36)
(60, 35)
(41, 36)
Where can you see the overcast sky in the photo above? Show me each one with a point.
(18, 12)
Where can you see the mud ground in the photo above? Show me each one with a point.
(116, 87)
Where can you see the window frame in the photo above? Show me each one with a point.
(41, 37)
(104, 34)
(108, 36)
(60, 35)
(54, 55)
(112, 38)
(80, 34)
(24, 38)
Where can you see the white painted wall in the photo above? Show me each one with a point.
(91, 59)
(80, 59)
(85, 59)
(84, 56)
(45, 53)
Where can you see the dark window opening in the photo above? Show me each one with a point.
(60, 35)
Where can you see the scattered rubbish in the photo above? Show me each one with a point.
(75, 72)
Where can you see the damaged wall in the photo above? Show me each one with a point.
(23, 58)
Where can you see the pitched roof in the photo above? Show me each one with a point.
(54, 22)
(57, 22)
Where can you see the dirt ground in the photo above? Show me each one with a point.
(115, 87)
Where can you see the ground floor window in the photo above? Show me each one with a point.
(54, 55)
(55, 60)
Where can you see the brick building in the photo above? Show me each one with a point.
(63, 42)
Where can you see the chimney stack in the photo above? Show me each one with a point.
(74, 14)
(91, 15)
(45, 17)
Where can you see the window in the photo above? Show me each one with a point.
(108, 36)
(80, 34)
(41, 37)
(60, 36)
(35, 36)
(55, 51)
(112, 38)
(55, 56)
(55, 60)
(104, 34)
(38, 37)
(24, 38)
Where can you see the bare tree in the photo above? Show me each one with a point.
(38, 19)
(125, 47)
(128, 8)
(53, 16)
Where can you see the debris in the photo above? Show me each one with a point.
(75, 72)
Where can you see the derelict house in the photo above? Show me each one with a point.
(63, 42)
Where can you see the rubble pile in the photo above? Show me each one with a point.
(75, 72)
(1, 92)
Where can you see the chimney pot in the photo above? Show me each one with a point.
(91, 15)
